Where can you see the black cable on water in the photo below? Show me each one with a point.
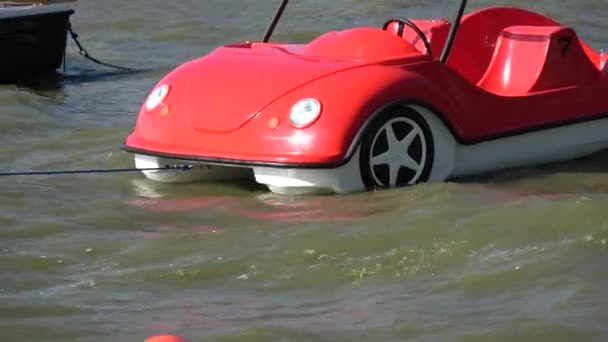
(84, 53)
(72, 172)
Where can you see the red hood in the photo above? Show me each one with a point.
(225, 89)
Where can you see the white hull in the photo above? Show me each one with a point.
(451, 159)
(198, 172)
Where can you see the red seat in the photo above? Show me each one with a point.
(536, 58)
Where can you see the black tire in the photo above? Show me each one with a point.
(405, 123)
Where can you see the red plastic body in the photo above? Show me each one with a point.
(510, 71)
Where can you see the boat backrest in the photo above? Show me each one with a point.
(537, 58)
(478, 34)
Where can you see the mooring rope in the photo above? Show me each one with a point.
(83, 52)
(71, 172)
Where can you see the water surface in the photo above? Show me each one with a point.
(114, 257)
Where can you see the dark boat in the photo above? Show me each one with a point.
(33, 37)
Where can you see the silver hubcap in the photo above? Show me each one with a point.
(398, 153)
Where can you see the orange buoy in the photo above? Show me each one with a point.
(165, 338)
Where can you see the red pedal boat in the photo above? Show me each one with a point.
(407, 102)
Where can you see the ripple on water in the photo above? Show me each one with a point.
(515, 255)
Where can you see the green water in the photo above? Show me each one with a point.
(519, 255)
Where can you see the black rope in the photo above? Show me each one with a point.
(83, 52)
(71, 172)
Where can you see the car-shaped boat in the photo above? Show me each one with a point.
(373, 107)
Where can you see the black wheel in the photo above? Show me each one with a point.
(402, 22)
(396, 150)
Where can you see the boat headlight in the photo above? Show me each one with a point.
(305, 112)
(157, 96)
